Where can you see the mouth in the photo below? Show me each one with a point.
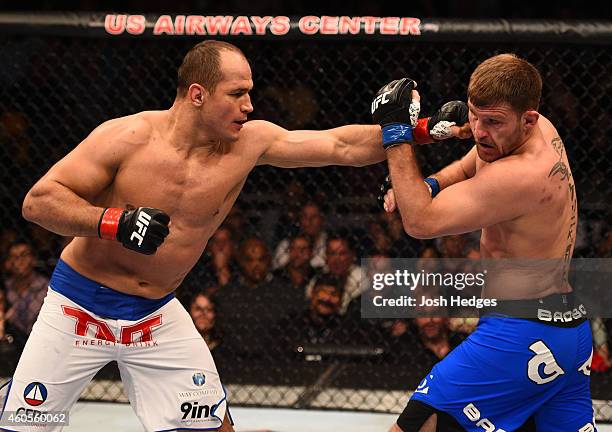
(488, 146)
(326, 304)
(240, 123)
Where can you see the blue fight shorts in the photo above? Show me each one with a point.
(511, 369)
(103, 301)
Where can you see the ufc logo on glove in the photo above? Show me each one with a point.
(142, 223)
(381, 99)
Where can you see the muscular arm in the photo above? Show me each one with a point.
(353, 145)
(457, 171)
(475, 203)
(61, 201)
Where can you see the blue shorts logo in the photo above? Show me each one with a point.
(199, 379)
(35, 394)
(423, 387)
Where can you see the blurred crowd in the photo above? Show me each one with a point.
(294, 299)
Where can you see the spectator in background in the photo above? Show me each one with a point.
(203, 313)
(323, 317)
(298, 271)
(435, 337)
(311, 223)
(427, 338)
(340, 263)
(25, 290)
(321, 323)
(254, 264)
(220, 264)
(252, 304)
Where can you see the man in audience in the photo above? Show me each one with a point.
(311, 223)
(25, 290)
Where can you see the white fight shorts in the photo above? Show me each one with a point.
(166, 368)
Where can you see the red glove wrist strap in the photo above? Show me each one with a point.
(109, 223)
(420, 132)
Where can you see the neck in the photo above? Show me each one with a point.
(526, 139)
(185, 132)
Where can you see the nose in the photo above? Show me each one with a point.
(478, 132)
(247, 106)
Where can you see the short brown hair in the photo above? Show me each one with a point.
(202, 65)
(505, 78)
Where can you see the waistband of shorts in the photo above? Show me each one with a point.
(559, 310)
(99, 299)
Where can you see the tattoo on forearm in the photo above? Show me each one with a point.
(561, 168)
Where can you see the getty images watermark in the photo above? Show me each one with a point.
(429, 283)
(410, 288)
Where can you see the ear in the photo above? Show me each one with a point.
(530, 119)
(197, 94)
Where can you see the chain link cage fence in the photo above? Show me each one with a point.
(63, 75)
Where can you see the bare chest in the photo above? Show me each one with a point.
(194, 192)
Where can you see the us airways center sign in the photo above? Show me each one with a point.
(242, 25)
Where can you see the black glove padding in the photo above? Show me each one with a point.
(450, 114)
(392, 102)
(143, 229)
(384, 188)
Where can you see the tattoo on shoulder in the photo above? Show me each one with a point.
(557, 145)
(560, 168)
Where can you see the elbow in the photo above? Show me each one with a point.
(27, 209)
(418, 228)
(30, 206)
